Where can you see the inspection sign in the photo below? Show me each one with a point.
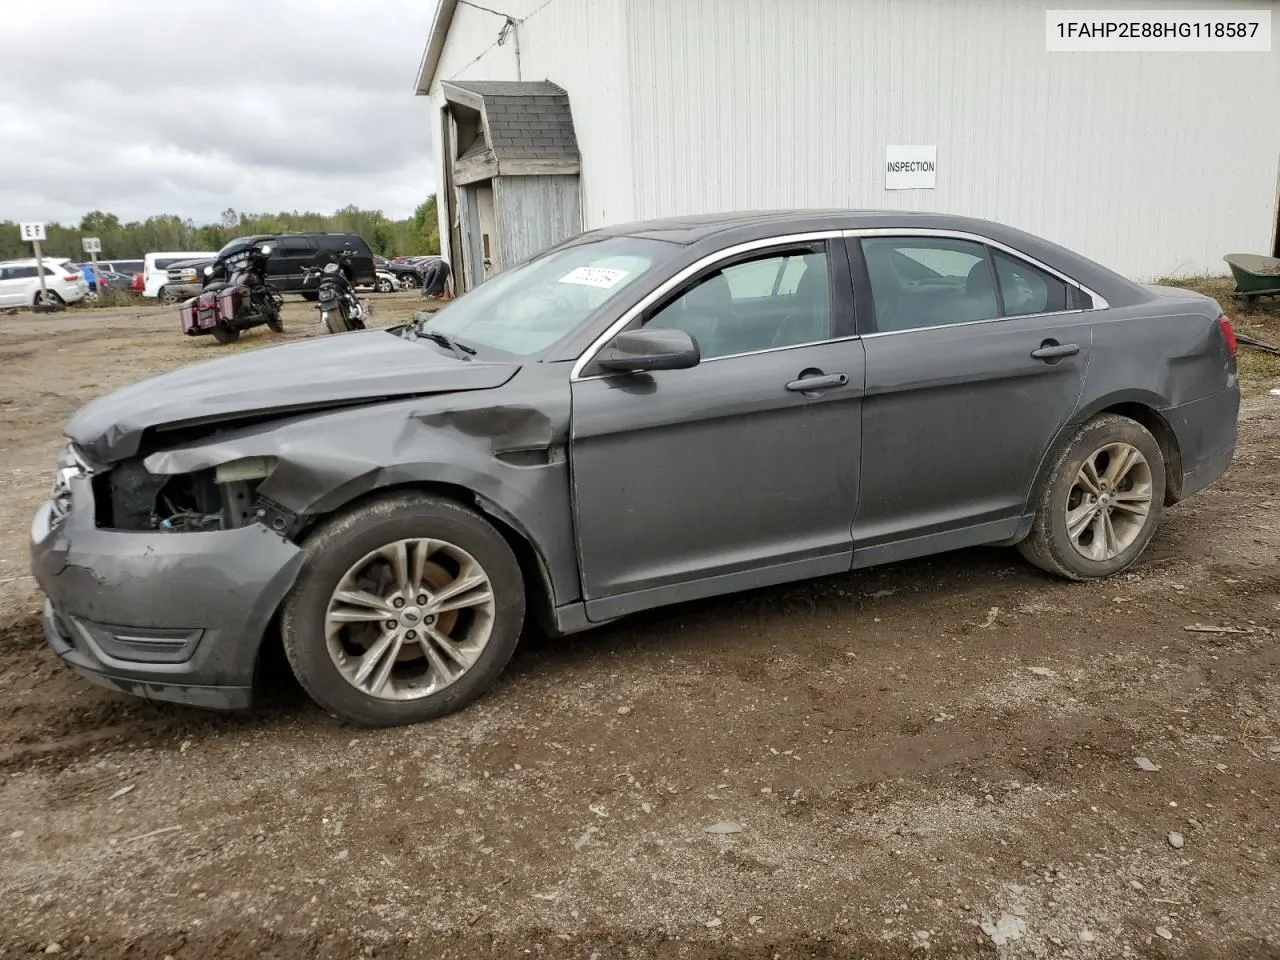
(911, 167)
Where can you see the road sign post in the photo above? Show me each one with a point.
(93, 247)
(34, 233)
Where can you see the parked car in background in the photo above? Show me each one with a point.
(581, 438)
(127, 267)
(384, 282)
(20, 283)
(406, 274)
(110, 280)
(155, 269)
(186, 279)
(292, 253)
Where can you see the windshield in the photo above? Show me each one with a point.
(232, 244)
(528, 308)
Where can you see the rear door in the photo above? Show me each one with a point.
(975, 359)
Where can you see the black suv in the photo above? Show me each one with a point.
(291, 253)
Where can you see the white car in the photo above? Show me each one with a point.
(20, 282)
(155, 269)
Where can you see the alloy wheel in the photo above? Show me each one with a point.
(1109, 502)
(409, 619)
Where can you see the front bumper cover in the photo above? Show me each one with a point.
(170, 616)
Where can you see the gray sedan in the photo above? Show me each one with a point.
(640, 416)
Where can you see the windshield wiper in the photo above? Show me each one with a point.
(460, 350)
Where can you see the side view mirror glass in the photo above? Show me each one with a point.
(208, 271)
(644, 349)
(265, 249)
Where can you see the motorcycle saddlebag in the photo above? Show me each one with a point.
(188, 312)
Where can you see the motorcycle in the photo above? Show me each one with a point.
(236, 296)
(340, 309)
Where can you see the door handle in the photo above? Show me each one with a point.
(814, 384)
(1051, 351)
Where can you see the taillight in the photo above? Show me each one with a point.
(1228, 334)
(72, 276)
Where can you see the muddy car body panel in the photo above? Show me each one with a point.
(186, 500)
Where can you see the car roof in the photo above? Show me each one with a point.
(691, 229)
(718, 230)
(31, 261)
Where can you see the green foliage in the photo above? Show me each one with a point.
(418, 234)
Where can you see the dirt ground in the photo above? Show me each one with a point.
(910, 753)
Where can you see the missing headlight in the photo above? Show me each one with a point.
(222, 498)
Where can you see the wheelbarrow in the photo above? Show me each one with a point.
(1256, 276)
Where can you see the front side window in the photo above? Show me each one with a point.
(528, 308)
(929, 282)
(773, 300)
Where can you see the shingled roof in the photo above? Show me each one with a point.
(525, 120)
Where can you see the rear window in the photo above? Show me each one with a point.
(162, 263)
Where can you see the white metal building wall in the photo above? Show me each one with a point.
(1155, 164)
(578, 44)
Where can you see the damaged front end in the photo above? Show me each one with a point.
(134, 495)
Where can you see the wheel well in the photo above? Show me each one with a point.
(537, 580)
(1164, 435)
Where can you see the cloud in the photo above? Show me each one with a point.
(188, 108)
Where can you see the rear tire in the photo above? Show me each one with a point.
(49, 300)
(349, 601)
(384, 286)
(1101, 503)
(224, 334)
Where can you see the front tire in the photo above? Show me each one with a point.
(408, 281)
(405, 609)
(1101, 504)
(384, 285)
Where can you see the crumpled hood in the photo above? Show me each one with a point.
(325, 372)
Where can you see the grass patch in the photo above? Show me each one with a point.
(1258, 370)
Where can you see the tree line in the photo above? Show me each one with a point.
(417, 234)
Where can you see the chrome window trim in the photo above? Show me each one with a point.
(674, 281)
(1099, 301)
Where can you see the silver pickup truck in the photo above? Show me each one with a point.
(185, 279)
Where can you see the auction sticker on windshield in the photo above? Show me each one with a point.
(603, 277)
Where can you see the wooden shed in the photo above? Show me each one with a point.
(511, 174)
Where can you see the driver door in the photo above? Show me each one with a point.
(738, 472)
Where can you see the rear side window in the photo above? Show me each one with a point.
(1026, 289)
(929, 282)
(19, 273)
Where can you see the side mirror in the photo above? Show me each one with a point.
(643, 350)
(208, 271)
(265, 249)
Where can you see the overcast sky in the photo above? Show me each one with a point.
(188, 108)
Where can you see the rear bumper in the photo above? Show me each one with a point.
(1206, 434)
